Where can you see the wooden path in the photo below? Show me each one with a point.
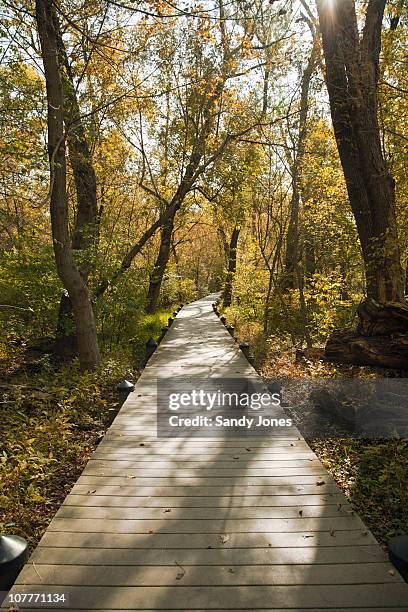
(214, 524)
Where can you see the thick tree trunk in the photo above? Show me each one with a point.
(232, 266)
(156, 277)
(66, 266)
(352, 78)
(86, 222)
(85, 233)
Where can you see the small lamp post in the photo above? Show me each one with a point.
(13, 555)
(164, 331)
(170, 321)
(398, 554)
(246, 349)
(151, 346)
(223, 319)
(124, 388)
(230, 330)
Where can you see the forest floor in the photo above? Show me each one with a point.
(51, 420)
(50, 423)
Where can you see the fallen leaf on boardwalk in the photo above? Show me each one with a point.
(151, 531)
(130, 476)
(300, 512)
(248, 449)
(141, 444)
(167, 510)
(333, 533)
(320, 483)
(391, 572)
(182, 571)
(209, 546)
(224, 539)
(90, 492)
(231, 571)
(308, 536)
(235, 457)
(339, 506)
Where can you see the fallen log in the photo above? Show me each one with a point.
(350, 346)
(382, 319)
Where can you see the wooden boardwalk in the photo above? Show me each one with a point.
(214, 524)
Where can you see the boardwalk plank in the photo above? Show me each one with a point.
(204, 575)
(209, 502)
(197, 513)
(67, 539)
(231, 556)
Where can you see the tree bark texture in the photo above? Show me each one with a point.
(232, 266)
(66, 266)
(352, 69)
(156, 277)
(292, 255)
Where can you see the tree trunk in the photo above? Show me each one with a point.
(352, 83)
(292, 238)
(66, 266)
(85, 233)
(310, 257)
(267, 306)
(86, 224)
(156, 277)
(232, 266)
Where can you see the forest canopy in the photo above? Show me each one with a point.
(154, 152)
